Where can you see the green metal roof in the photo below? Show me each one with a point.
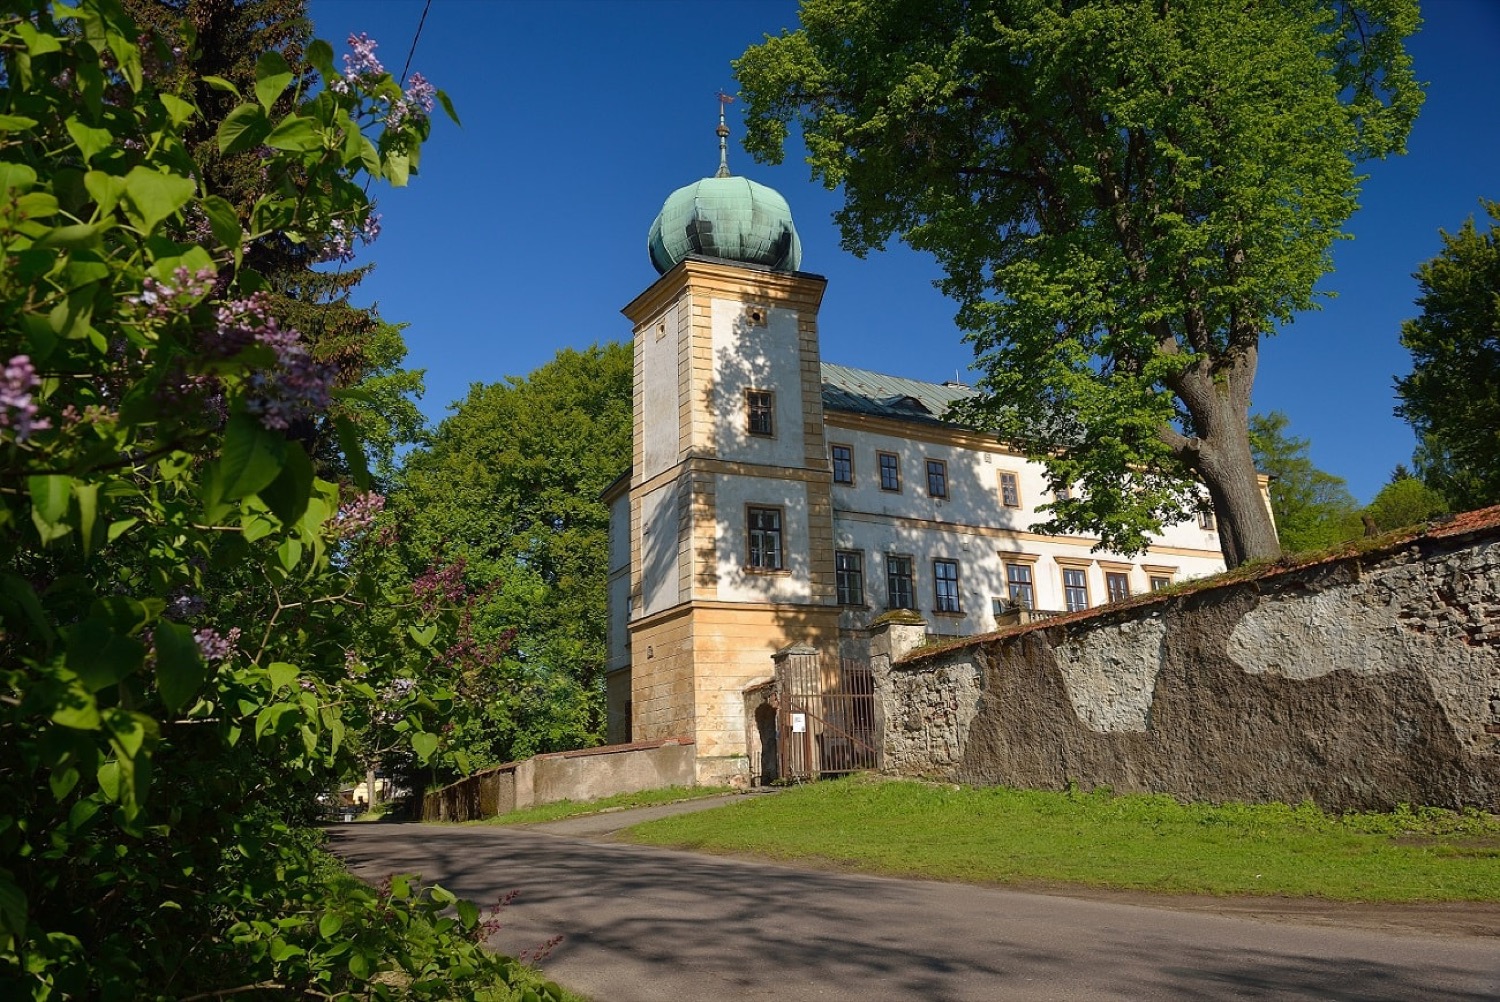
(860, 391)
(732, 218)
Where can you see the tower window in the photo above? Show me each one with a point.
(945, 585)
(890, 474)
(937, 478)
(1020, 586)
(764, 526)
(760, 407)
(849, 576)
(898, 583)
(1117, 583)
(843, 464)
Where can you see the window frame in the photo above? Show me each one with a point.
(752, 534)
(833, 462)
(942, 473)
(1207, 522)
(891, 578)
(880, 457)
(1159, 582)
(856, 575)
(766, 410)
(1082, 586)
(941, 601)
(1113, 576)
(1029, 566)
(1015, 486)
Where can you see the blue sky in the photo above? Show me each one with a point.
(526, 231)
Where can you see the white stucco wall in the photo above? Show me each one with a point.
(619, 533)
(761, 358)
(660, 533)
(618, 655)
(913, 523)
(659, 389)
(734, 494)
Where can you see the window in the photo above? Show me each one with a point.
(1063, 493)
(890, 473)
(1075, 588)
(1117, 583)
(1010, 489)
(765, 538)
(1158, 582)
(843, 464)
(849, 576)
(898, 583)
(945, 585)
(760, 405)
(1019, 584)
(937, 478)
(1206, 520)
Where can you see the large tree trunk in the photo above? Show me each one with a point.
(1218, 398)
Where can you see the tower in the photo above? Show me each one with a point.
(729, 513)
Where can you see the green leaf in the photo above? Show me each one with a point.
(397, 167)
(101, 655)
(37, 43)
(105, 189)
(180, 670)
(319, 55)
(272, 74)
(219, 83)
(282, 675)
(269, 719)
(424, 743)
(468, 912)
(251, 458)
(16, 123)
(74, 235)
(109, 779)
(77, 709)
(242, 129)
(296, 134)
(178, 110)
(352, 445)
(288, 494)
(12, 906)
(62, 781)
(88, 513)
(447, 104)
(156, 196)
(50, 495)
(329, 924)
(289, 553)
(423, 636)
(224, 221)
(17, 176)
(89, 140)
(19, 591)
(282, 950)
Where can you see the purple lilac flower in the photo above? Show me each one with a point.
(17, 406)
(420, 94)
(362, 60)
(296, 386)
(214, 647)
(162, 298)
(358, 514)
(185, 605)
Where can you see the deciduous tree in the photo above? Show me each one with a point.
(1126, 196)
(1313, 509)
(1452, 395)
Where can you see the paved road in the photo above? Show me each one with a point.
(651, 925)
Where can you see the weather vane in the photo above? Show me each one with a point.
(723, 132)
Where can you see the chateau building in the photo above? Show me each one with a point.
(776, 499)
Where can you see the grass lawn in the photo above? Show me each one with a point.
(1149, 843)
(571, 808)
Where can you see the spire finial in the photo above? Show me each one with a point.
(723, 133)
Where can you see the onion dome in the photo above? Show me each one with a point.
(726, 217)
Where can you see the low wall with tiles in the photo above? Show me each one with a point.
(1358, 681)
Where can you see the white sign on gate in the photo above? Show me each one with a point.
(799, 723)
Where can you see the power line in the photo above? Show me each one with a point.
(412, 51)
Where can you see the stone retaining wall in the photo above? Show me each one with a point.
(587, 774)
(1358, 681)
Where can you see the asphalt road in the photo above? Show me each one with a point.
(644, 924)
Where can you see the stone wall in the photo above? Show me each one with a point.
(1357, 681)
(586, 774)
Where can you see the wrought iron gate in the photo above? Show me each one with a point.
(825, 726)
